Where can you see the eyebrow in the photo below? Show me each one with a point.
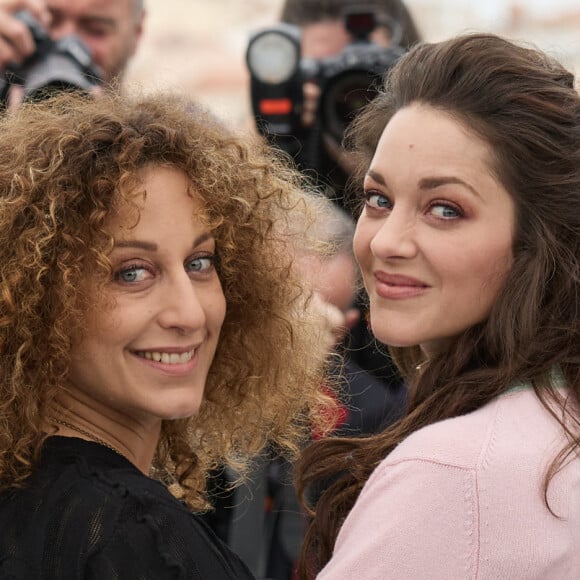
(435, 182)
(99, 20)
(153, 247)
(87, 19)
(428, 183)
(377, 177)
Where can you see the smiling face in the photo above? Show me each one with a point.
(147, 357)
(434, 241)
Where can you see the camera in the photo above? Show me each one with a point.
(61, 65)
(347, 81)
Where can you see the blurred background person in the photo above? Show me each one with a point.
(385, 31)
(110, 30)
(199, 47)
(342, 50)
(324, 35)
(332, 273)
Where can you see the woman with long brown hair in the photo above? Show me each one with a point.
(468, 242)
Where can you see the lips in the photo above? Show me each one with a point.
(398, 286)
(168, 356)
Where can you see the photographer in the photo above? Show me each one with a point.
(109, 29)
(324, 35)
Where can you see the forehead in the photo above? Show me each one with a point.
(156, 190)
(324, 39)
(82, 8)
(329, 37)
(433, 137)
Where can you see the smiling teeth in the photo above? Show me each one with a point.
(172, 358)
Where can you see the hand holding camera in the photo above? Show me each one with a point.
(16, 42)
(52, 66)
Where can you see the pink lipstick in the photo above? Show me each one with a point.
(398, 286)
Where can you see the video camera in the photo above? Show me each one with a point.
(61, 65)
(347, 81)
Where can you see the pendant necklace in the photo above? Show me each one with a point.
(420, 366)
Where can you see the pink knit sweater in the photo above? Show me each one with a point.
(463, 499)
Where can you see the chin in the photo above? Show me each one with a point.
(397, 343)
(395, 339)
(183, 411)
(180, 415)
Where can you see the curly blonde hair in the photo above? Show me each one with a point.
(65, 165)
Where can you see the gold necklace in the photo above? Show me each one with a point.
(92, 437)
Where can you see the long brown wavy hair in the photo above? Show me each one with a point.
(524, 105)
(65, 166)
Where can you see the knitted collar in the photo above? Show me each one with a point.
(556, 378)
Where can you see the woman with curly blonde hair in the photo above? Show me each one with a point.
(151, 328)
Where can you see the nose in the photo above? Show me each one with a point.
(396, 237)
(182, 305)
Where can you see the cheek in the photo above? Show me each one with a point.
(361, 242)
(497, 274)
(216, 309)
(104, 50)
(95, 45)
(88, 358)
(382, 37)
(480, 274)
(106, 326)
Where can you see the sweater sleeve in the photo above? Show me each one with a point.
(414, 519)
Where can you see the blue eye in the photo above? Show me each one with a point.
(445, 211)
(200, 264)
(377, 201)
(131, 274)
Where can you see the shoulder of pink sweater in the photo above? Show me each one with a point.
(510, 424)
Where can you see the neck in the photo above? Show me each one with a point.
(75, 418)
(60, 423)
(435, 347)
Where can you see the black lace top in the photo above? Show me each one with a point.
(89, 513)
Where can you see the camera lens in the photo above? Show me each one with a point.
(344, 96)
(54, 73)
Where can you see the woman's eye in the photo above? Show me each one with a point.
(201, 264)
(377, 201)
(132, 274)
(445, 211)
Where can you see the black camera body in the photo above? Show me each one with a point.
(61, 65)
(347, 82)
